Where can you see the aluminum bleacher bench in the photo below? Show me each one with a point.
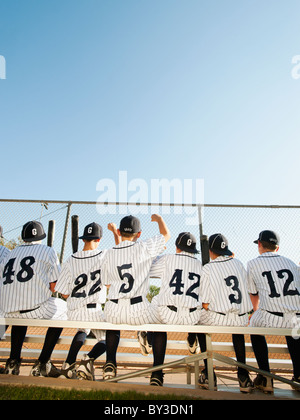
(178, 361)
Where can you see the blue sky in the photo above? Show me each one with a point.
(188, 89)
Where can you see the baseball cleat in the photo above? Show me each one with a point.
(264, 384)
(157, 379)
(45, 369)
(246, 385)
(12, 367)
(298, 383)
(109, 371)
(86, 369)
(203, 380)
(36, 369)
(143, 341)
(48, 369)
(193, 347)
(68, 371)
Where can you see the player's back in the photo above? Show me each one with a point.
(26, 274)
(126, 267)
(224, 286)
(80, 279)
(276, 279)
(180, 279)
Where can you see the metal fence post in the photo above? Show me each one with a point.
(203, 239)
(200, 221)
(65, 233)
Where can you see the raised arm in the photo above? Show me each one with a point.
(113, 228)
(163, 229)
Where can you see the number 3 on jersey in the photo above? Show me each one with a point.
(233, 283)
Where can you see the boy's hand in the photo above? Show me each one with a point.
(156, 218)
(112, 227)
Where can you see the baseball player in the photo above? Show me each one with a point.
(28, 275)
(3, 250)
(125, 268)
(3, 254)
(225, 301)
(178, 298)
(80, 283)
(274, 287)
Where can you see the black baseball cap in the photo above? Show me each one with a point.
(1, 232)
(219, 244)
(186, 242)
(268, 236)
(92, 231)
(33, 231)
(130, 224)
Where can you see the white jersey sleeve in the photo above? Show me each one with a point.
(155, 245)
(3, 253)
(158, 266)
(54, 267)
(63, 284)
(205, 291)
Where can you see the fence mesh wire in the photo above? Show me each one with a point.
(240, 224)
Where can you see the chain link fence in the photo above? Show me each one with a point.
(241, 225)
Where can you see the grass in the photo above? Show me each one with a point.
(8, 392)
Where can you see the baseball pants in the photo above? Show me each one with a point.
(53, 308)
(231, 319)
(265, 319)
(123, 311)
(91, 312)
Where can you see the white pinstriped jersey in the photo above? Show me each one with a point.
(180, 279)
(3, 252)
(126, 267)
(276, 279)
(25, 275)
(80, 278)
(224, 286)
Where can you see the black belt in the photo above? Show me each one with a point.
(173, 308)
(91, 305)
(221, 313)
(133, 301)
(281, 314)
(24, 311)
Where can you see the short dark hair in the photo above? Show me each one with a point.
(268, 245)
(128, 234)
